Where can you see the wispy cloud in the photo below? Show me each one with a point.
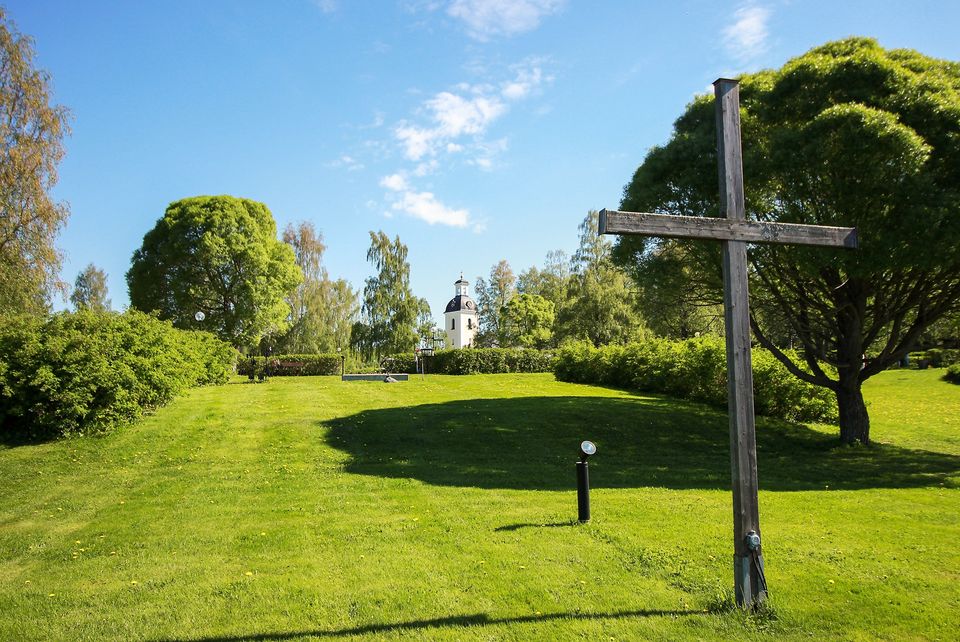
(485, 19)
(468, 112)
(452, 127)
(747, 38)
(326, 6)
(422, 205)
(349, 163)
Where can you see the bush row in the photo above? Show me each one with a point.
(935, 358)
(694, 369)
(88, 372)
(953, 373)
(290, 365)
(476, 361)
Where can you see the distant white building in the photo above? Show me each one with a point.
(460, 318)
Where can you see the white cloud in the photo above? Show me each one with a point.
(528, 79)
(394, 182)
(453, 116)
(426, 207)
(746, 38)
(455, 122)
(326, 6)
(488, 18)
(429, 167)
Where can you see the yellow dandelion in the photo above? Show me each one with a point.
(831, 581)
(248, 573)
(134, 582)
(522, 566)
(77, 542)
(263, 533)
(113, 552)
(26, 582)
(52, 595)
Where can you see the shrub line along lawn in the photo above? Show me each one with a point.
(311, 508)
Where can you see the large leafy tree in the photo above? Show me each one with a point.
(322, 310)
(549, 282)
(601, 305)
(390, 310)
(527, 321)
(31, 135)
(90, 290)
(492, 295)
(848, 134)
(218, 255)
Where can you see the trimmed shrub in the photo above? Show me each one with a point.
(291, 365)
(88, 372)
(489, 361)
(953, 374)
(694, 369)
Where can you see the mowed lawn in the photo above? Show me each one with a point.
(445, 509)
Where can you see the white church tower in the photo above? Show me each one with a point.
(460, 318)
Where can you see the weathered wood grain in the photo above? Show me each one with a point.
(725, 229)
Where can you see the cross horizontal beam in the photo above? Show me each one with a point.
(724, 229)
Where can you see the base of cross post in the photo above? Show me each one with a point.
(750, 589)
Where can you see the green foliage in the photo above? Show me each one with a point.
(390, 310)
(322, 311)
(527, 321)
(89, 372)
(693, 369)
(218, 255)
(953, 373)
(466, 361)
(493, 295)
(90, 290)
(848, 134)
(290, 365)
(600, 305)
(31, 146)
(935, 358)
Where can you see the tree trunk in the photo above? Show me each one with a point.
(854, 421)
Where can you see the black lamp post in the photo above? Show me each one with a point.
(587, 448)
(343, 359)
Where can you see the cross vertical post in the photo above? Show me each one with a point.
(734, 231)
(743, 441)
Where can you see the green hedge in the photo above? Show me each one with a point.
(475, 361)
(88, 372)
(935, 358)
(953, 374)
(291, 365)
(695, 369)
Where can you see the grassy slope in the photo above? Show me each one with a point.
(443, 509)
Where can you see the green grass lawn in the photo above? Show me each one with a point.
(444, 509)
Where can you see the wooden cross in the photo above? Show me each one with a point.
(734, 232)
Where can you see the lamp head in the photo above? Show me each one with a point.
(587, 448)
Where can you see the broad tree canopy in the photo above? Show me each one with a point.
(219, 256)
(849, 134)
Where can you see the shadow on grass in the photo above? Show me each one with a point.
(532, 443)
(480, 619)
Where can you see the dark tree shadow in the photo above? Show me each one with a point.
(532, 443)
(479, 619)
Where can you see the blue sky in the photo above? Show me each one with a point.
(477, 130)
